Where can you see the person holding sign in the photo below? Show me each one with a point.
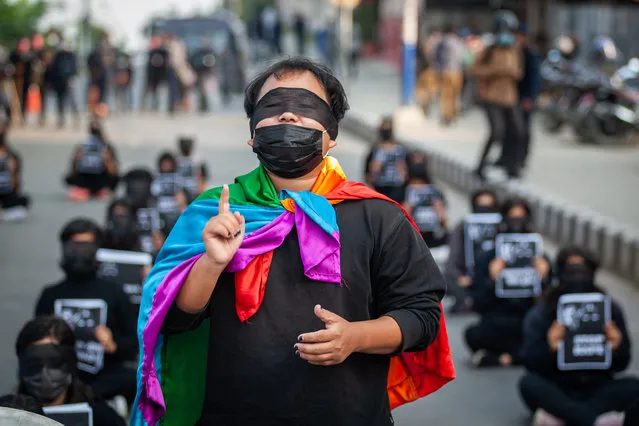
(13, 203)
(47, 369)
(194, 173)
(98, 310)
(496, 339)
(580, 397)
(94, 168)
(292, 295)
(165, 187)
(458, 270)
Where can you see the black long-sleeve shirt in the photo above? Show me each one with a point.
(537, 357)
(456, 263)
(253, 375)
(120, 315)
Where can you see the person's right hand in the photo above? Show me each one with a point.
(556, 334)
(496, 266)
(224, 233)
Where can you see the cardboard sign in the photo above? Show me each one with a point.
(71, 414)
(124, 268)
(422, 199)
(84, 315)
(165, 185)
(480, 230)
(585, 346)
(519, 279)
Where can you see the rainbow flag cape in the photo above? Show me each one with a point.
(172, 370)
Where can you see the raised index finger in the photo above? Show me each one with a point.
(224, 206)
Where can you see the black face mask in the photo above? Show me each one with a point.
(78, 260)
(288, 151)
(385, 134)
(46, 371)
(121, 226)
(517, 225)
(138, 193)
(185, 146)
(577, 278)
(485, 209)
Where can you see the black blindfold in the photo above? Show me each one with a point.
(298, 101)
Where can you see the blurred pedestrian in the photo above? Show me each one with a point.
(13, 202)
(123, 80)
(80, 239)
(22, 61)
(47, 371)
(578, 397)
(300, 33)
(62, 70)
(156, 72)
(100, 64)
(449, 61)
(499, 70)
(428, 83)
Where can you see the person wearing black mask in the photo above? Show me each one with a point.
(496, 339)
(13, 203)
(387, 164)
(457, 274)
(137, 188)
(47, 371)
(121, 232)
(192, 171)
(94, 169)
(80, 240)
(581, 397)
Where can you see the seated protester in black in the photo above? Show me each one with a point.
(165, 188)
(13, 203)
(632, 414)
(193, 172)
(80, 240)
(137, 188)
(579, 397)
(94, 169)
(120, 232)
(387, 168)
(427, 205)
(458, 275)
(21, 402)
(496, 339)
(47, 370)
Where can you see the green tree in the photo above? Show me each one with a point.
(19, 18)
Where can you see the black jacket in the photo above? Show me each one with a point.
(537, 357)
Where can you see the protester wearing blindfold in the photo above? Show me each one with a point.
(319, 253)
(578, 397)
(80, 240)
(47, 370)
(121, 232)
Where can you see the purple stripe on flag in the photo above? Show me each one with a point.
(320, 252)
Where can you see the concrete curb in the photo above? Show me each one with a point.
(616, 246)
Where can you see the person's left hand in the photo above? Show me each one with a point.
(613, 335)
(104, 336)
(330, 346)
(542, 267)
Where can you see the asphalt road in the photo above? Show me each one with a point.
(29, 254)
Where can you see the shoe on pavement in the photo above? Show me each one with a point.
(544, 418)
(613, 418)
(14, 214)
(483, 358)
(78, 194)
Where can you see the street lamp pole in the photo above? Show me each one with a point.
(410, 35)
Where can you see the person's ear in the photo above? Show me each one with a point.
(331, 144)
(250, 142)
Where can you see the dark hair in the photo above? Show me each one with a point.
(21, 402)
(166, 156)
(334, 89)
(118, 202)
(42, 327)
(80, 226)
(386, 121)
(590, 259)
(139, 173)
(484, 191)
(513, 202)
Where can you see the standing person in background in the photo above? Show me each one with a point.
(123, 79)
(62, 70)
(22, 62)
(156, 71)
(499, 70)
(99, 62)
(300, 33)
(428, 81)
(529, 86)
(449, 59)
(387, 164)
(181, 75)
(353, 65)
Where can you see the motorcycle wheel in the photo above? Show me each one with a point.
(551, 121)
(606, 132)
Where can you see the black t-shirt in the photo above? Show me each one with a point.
(120, 315)
(253, 374)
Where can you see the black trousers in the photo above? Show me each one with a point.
(14, 199)
(113, 381)
(527, 120)
(63, 95)
(94, 183)
(578, 405)
(496, 333)
(507, 127)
